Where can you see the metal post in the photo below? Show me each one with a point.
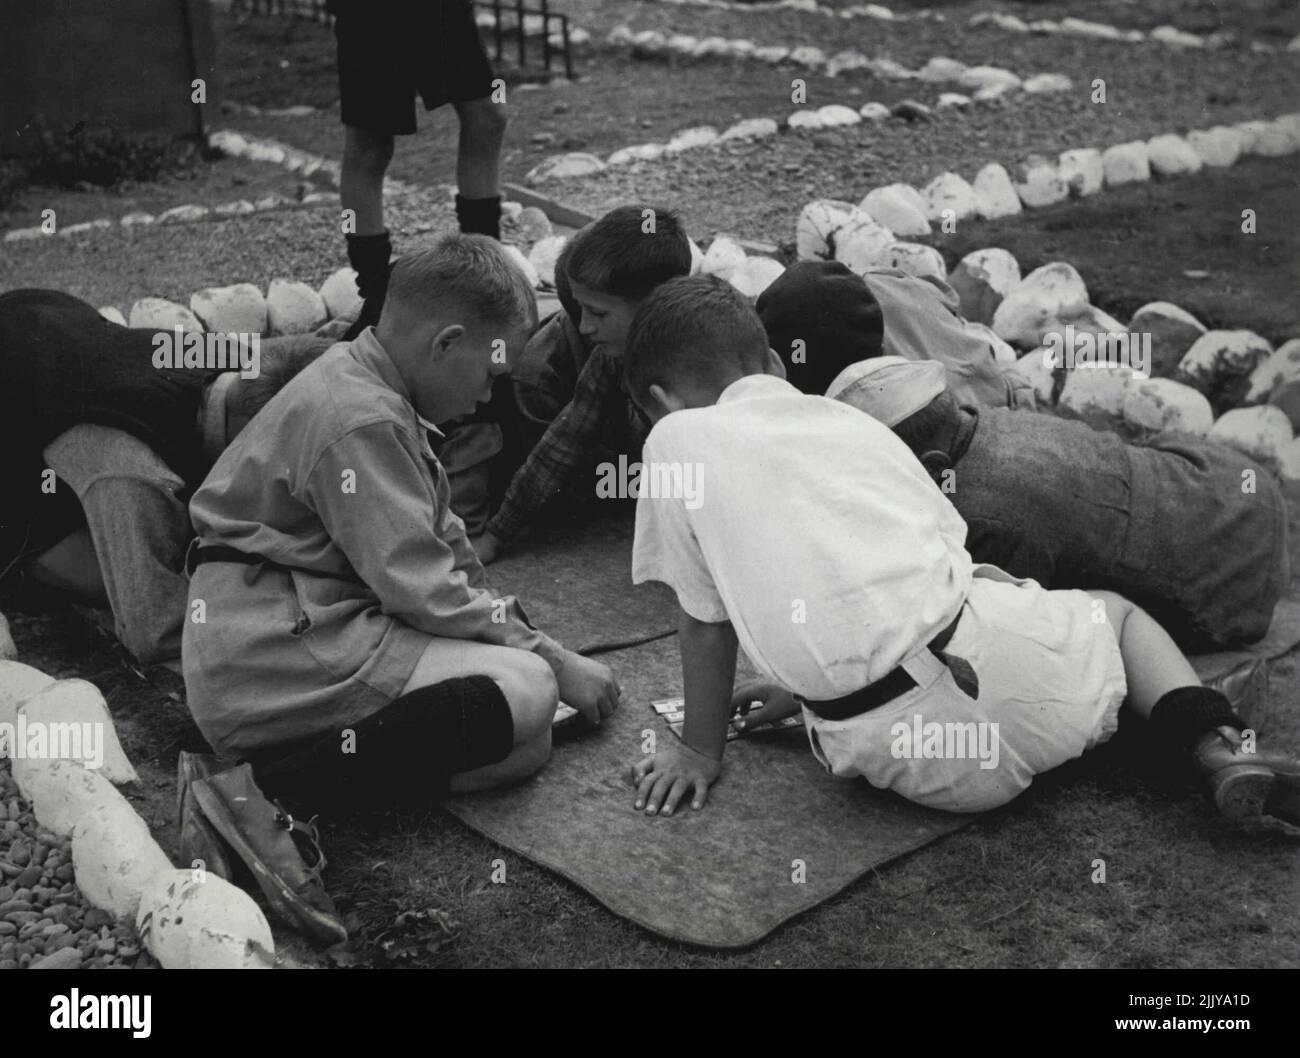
(568, 54)
(519, 13)
(496, 27)
(546, 37)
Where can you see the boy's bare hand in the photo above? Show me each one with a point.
(589, 687)
(776, 704)
(487, 547)
(663, 779)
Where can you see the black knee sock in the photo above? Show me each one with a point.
(370, 256)
(479, 216)
(405, 753)
(1181, 717)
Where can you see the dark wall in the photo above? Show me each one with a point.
(125, 63)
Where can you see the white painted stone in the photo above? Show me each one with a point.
(1288, 461)
(517, 258)
(772, 53)
(238, 208)
(741, 49)
(995, 194)
(983, 77)
(993, 91)
(982, 279)
(1035, 369)
(23, 234)
(79, 703)
(682, 43)
(697, 256)
(1078, 27)
(236, 309)
(162, 315)
(532, 224)
(1217, 147)
(137, 218)
(1041, 297)
(293, 307)
(1126, 163)
(751, 129)
(642, 152)
(183, 214)
(806, 119)
(807, 55)
(948, 191)
(873, 111)
(85, 226)
(952, 101)
(113, 314)
(891, 70)
(619, 36)
(723, 257)
(862, 244)
(18, 682)
(1172, 155)
(834, 115)
(271, 153)
(62, 791)
(1282, 367)
(847, 60)
(899, 207)
(1220, 363)
(544, 255)
(916, 259)
(820, 224)
(650, 42)
(941, 69)
(340, 294)
(1043, 83)
(1294, 43)
(1173, 332)
(711, 46)
(564, 166)
(188, 924)
(756, 275)
(1096, 393)
(1040, 184)
(1262, 432)
(1082, 171)
(1159, 404)
(115, 857)
(689, 139)
(1173, 35)
(1277, 139)
(1249, 134)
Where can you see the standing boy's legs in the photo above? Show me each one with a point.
(478, 165)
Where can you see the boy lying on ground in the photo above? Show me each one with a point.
(823, 548)
(614, 265)
(341, 636)
(127, 442)
(1192, 531)
(841, 317)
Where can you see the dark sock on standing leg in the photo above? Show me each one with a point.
(479, 216)
(404, 754)
(370, 256)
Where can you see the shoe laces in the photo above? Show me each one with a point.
(306, 836)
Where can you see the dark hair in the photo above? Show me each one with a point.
(470, 272)
(831, 311)
(562, 289)
(617, 256)
(279, 359)
(696, 329)
(919, 428)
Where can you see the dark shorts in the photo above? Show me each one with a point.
(387, 54)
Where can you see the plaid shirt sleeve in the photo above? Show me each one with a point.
(565, 447)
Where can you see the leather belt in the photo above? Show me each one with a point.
(897, 682)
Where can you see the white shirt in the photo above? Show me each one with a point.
(811, 527)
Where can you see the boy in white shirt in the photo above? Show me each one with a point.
(814, 539)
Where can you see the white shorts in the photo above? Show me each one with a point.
(1051, 681)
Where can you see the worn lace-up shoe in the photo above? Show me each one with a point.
(283, 853)
(1246, 785)
(199, 840)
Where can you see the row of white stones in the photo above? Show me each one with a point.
(992, 80)
(188, 919)
(1069, 26)
(1021, 317)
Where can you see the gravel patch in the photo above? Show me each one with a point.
(42, 913)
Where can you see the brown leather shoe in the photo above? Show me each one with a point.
(283, 853)
(1246, 785)
(199, 839)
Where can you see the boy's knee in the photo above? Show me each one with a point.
(532, 693)
(368, 150)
